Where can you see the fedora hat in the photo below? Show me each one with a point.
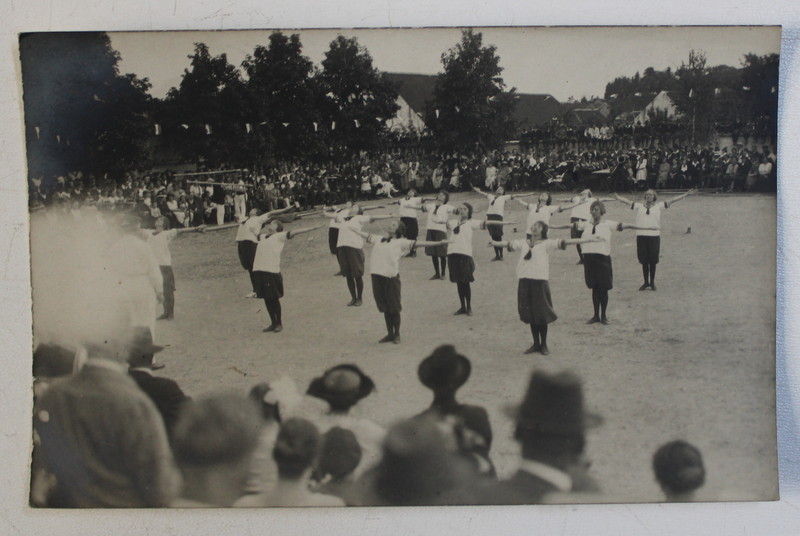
(553, 406)
(341, 386)
(444, 368)
(141, 348)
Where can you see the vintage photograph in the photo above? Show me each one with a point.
(219, 222)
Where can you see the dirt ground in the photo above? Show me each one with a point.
(694, 360)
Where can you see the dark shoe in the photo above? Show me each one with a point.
(338, 273)
(396, 339)
(469, 311)
(165, 316)
(352, 302)
(544, 350)
(278, 328)
(605, 321)
(593, 320)
(268, 329)
(652, 286)
(533, 349)
(388, 338)
(496, 259)
(157, 366)
(434, 277)
(358, 302)
(644, 287)
(579, 262)
(461, 311)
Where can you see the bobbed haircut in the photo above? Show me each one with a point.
(215, 430)
(678, 467)
(549, 199)
(598, 204)
(655, 195)
(545, 228)
(296, 448)
(469, 210)
(446, 195)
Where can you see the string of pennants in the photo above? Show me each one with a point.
(249, 127)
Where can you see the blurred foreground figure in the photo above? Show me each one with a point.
(551, 426)
(214, 440)
(679, 470)
(102, 438)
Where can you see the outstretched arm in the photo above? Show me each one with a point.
(622, 199)
(682, 196)
(198, 229)
(425, 244)
(381, 217)
(523, 203)
(564, 226)
(574, 241)
(623, 226)
(476, 189)
(295, 232)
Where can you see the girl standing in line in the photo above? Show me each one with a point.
(436, 230)
(534, 304)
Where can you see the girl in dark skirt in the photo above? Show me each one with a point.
(267, 269)
(387, 251)
(336, 215)
(597, 258)
(459, 254)
(648, 243)
(438, 214)
(495, 212)
(534, 304)
(409, 206)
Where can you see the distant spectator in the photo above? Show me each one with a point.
(214, 441)
(679, 470)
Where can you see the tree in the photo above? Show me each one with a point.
(204, 118)
(759, 92)
(284, 101)
(470, 107)
(358, 98)
(80, 113)
(695, 97)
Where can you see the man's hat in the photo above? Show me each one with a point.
(141, 348)
(341, 386)
(553, 406)
(444, 368)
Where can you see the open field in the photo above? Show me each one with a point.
(694, 360)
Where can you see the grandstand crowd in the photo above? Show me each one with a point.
(186, 202)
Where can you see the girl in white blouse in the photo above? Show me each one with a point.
(534, 304)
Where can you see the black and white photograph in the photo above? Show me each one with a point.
(402, 267)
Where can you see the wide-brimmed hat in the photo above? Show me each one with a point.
(444, 368)
(341, 386)
(141, 348)
(553, 406)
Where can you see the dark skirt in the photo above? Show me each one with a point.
(462, 268)
(412, 227)
(247, 253)
(495, 231)
(351, 261)
(436, 251)
(534, 303)
(386, 291)
(597, 271)
(269, 285)
(648, 249)
(333, 238)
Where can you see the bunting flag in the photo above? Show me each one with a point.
(185, 126)
(208, 129)
(691, 92)
(248, 128)
(97, 99)
(437, 113)
(158, 129)
(37, 132)
(637, 94)
(356, 122)
(315, 126)
(458, 109)
(773, 90)
(58, 138)
(333, 125)
(717, 91)
(746, 88)
(263, 123)
(285, 124)
(330, 95)
(378, 119)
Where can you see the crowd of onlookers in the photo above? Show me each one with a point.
(110, 434)
(191, 199)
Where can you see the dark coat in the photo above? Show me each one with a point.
(522, 488)
(165, 393)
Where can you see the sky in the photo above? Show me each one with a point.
(561, 61)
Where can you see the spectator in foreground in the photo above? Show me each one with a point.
(551, 426)
(103, 438)
(339, 456)
(214, 441)
(679, 470)
(296, 450)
